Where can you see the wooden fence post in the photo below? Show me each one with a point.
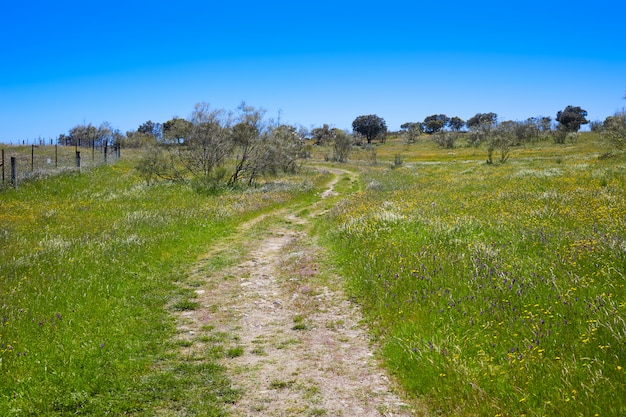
(2, 165)
(14, 172)
(78, 159)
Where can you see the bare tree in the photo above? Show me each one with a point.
(248, 135)
(342, 145)
(322, 135)
(209, 143)
(445, 139)
(284, 146)
(411, 131)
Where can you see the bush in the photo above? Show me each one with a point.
(615, 130)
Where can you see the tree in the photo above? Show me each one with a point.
(322, 135)
(571, 119)
(208, 144)
(596, 126)
(151, 130)
(341, 146)
(481, 127)
(411, 131)
(106, 135)
(282, 148)
(445, 139)
(484, 119)
(615, 130)
(248, 137)
(456, 123)
(435, 123)
(88, 135)
(176, 130)
(153, 164)
(502, 138)
(370, 126)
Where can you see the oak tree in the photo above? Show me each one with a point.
(371, 126)
(571, 118)
(435, 123)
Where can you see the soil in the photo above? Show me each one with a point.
(294, 343)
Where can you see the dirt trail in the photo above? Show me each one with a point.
(295, 345)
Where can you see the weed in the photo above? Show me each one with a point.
(235, 352)
(280, 384)
(299, 323)
(186, 305)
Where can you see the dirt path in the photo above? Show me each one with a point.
(294, 343)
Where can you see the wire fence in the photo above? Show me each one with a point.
(24, 163)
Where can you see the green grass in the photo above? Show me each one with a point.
(89, 266)
(299, 324)
(494, 290)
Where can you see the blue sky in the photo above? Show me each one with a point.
(64, 63)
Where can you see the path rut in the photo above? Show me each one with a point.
(295, 343)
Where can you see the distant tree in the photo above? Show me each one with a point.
(370, 126)
(530, 131)
(503, 137)
(435, 123)
(571, 119)
(151, 130)
(522, 131)
(481, 127)
(484, 119)
(615, 130)
(596, 126)
(106, 135)
(83, 135)
(322, 135)
(445, 139)
(537, 128)
(117, 137)
(456, 123)
(282, 149)
(411, 131)
(546, 123)
(209, 143)
(545, 126)
(342, 146)
(176, 130)
(248, 137)
(153, 164)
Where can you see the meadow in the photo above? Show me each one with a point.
(40, 161)
(490, 289)
(493, 290)
(90, 267)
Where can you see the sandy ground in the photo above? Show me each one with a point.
(296, 344)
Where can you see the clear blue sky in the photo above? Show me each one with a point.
(64, 63)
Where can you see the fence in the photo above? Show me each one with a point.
(22, 163)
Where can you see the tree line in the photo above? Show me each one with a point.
(215, 146)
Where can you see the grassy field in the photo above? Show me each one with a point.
(89, 266)
(36, 162)
(491, 289)
(494, 289)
